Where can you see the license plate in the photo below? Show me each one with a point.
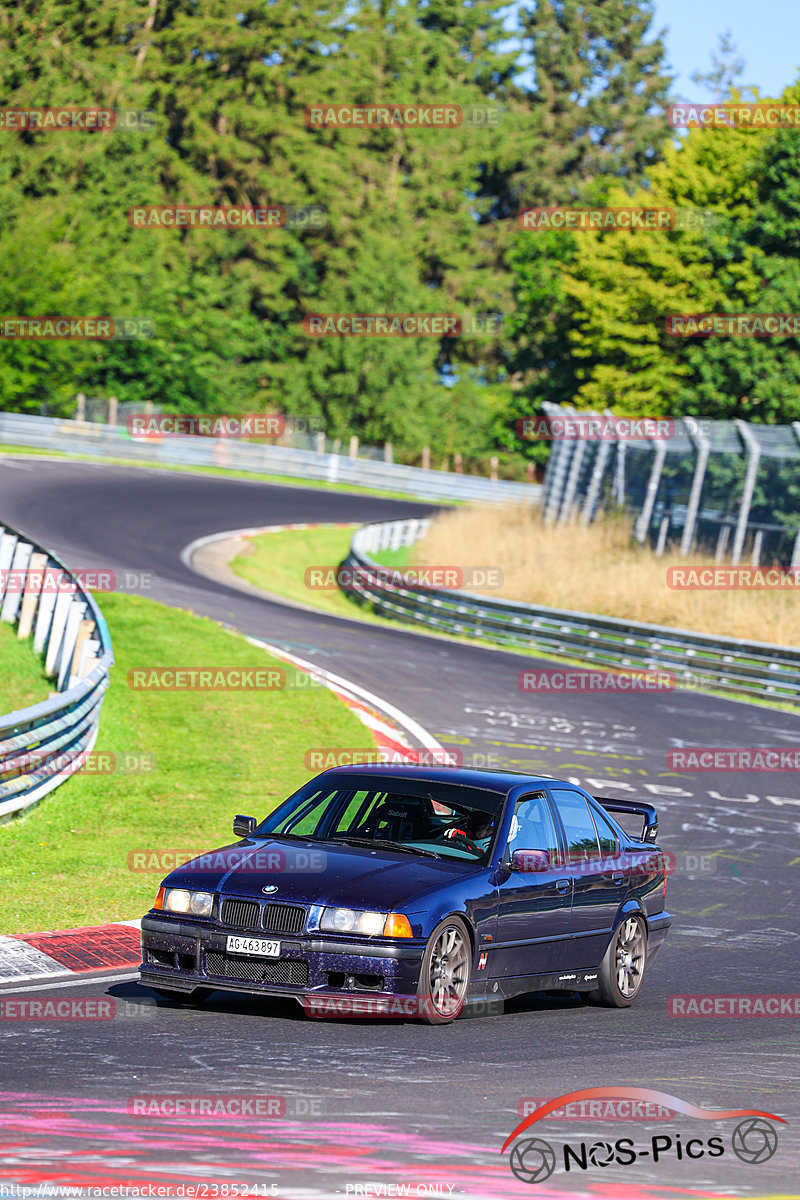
(259, 946)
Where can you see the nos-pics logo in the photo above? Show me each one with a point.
(753, 1140)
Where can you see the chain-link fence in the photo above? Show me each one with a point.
(729, 488)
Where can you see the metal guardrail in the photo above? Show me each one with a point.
(753, 669)
(84, 437)
(41, 746)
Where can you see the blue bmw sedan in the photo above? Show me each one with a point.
(417, 890)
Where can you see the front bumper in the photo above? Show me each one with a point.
(182, 955)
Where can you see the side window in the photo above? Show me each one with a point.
(578, 824)
(532, 827)
(606, 834)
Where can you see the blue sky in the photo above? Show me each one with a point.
(766, 33)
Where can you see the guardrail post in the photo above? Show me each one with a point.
(703, 446)
(57, 630)
(663, 530)
(796, 550)
(643, 520)
(572, 481)
(33, 586)
(722, 543)
(13, 594)
(598, 471)
(753, 459)
(557, 464)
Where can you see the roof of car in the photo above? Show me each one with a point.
(461, 776)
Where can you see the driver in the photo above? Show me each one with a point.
(475, 827)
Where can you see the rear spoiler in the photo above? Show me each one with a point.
(646, 811)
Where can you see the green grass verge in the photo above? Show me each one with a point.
(65, 863)
(282, 480)
(22, 678)
(277, 562)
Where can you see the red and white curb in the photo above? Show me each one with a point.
(69, 952)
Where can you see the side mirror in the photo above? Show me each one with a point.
(530, 860)
(244, 827)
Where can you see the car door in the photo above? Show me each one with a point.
(599, 878)
(533, 907)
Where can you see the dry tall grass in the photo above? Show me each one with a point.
(597, 568)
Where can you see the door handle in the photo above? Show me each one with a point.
(617, 879)
(562, 884)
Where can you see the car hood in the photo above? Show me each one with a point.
(317, 873)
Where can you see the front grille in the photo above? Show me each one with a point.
(243, 914)
(284, 918)
(290, 971)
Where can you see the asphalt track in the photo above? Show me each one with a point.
(396, 1103)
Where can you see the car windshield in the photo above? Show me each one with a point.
(428, 819)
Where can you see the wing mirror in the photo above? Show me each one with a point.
(530, 860)
(244, 827)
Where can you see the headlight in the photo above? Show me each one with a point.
(178, 900)
(347, 920)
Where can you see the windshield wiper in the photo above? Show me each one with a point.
(388, 845)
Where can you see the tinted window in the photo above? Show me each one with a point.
(533, 827)
(605, 832)
(581, 834)
(443, 819)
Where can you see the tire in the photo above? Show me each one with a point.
(622, 970)
(198, 996)
(445, 973)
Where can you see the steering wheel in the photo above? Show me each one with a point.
(453, 833)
